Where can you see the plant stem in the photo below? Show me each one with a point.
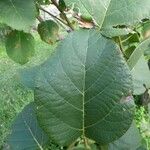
(85, 140)
(41, 8)
(121, 47)
(63, 14)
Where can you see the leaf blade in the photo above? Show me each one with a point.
(18, 14)
(65, 82)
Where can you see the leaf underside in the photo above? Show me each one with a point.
(81, 90)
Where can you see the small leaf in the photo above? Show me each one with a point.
(81, 90)
(18, 14)
(48, 31)
(26, 133)
(62, 5)
(20, 46)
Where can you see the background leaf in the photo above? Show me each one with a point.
(138, 53)
(48, 31)
(20, 46)
(81, 90)
(141, 76)
(18, 14)
(26, 133)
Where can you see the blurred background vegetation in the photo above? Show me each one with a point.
(13, 95)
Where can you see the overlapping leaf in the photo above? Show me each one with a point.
(81, 90)
(26, 133)
(111, 13)
(141, 76)
(20, 46)
(139, 68)
(48, 31)
(18, 14)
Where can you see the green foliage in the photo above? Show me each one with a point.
(130, 140)
(48, 31)
(62, 5)
(18, 14)
(141, 75)
(20, 46)
(27, 129)
(66, 80)
(110, 13)
(82, 92)
(14, 96)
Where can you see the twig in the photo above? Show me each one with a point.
(63, 14)
(41, 8)
(39, 18)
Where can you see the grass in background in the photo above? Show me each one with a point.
(13, 95)
(142, 118)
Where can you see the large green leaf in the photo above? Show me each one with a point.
(18, 14)
(48, 31)
(81, 90)
(131, 140)
(26, 133)
(20, 46)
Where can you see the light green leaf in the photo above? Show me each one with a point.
(48, 31)
(109, 13)
(131, 140)
(138, 52)
(20, 46)
(77, 5)
(26, 133)
(141, 76)
(113, 32)
(81, 90)
(18, 14)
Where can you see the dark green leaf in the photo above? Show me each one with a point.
(48, 31)
(20, 46)
(26, 133)
(62, 5)
(81, 90)
(18, 14)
